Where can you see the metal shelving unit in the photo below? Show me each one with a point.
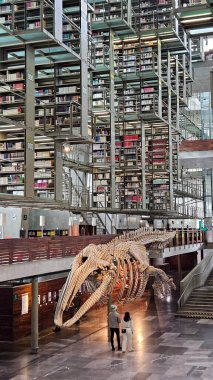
(151, 83)
(46, 56)
(110, 77)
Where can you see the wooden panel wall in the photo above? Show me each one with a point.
(196, 145)
(188, 261)
(14, 325)
(22, 250)
(21, 323)
(6, 313)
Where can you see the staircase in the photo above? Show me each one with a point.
(200, 302)
(100, 226)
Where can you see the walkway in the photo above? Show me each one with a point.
(39, 256)
(165, 348)
(196, 153)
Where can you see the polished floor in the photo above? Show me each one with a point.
(165, 347)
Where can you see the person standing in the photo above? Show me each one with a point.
(127, 331)
(114, 321)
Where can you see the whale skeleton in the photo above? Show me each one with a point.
(123, 262)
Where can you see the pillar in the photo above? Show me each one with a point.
(29, 121)
(143, 170)
(58, 179)
(108, 310)
(112, 119)
(179, 268)
(84, 68)
(34, 316)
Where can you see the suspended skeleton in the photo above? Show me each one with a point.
(124, 262)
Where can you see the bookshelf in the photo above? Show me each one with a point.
(42, 87)
(151, 79)
(129, 97)
(12, 166)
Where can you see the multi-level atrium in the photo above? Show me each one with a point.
(106, 124)
(95, 99)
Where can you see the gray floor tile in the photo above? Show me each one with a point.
(166, 348)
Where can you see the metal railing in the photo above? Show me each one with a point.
(137, 104)
(188, 210)
(156, 22)
(186, 3)
(196, 278)
(195, 190)
(42, 18)
(100, 99)
(14, 251)
(186, 237)
(137, 63)
(121, 10)
(59, 119)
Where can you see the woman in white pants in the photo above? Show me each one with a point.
(127, 331)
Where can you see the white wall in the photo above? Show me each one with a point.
(13, 222)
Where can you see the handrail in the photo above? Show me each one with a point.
(13, 251)
(193, 276)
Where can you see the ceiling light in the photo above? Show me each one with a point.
(9, 129)
(196, 20)
(66, 149)
(170, 39)
(200, 14)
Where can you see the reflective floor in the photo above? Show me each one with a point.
(165, 347)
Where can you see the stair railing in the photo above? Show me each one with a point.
(196, 278)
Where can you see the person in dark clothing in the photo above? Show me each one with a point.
(114, 321)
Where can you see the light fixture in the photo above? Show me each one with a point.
(2, 223)
(66, 148)
(9, 129)
(170, 39)
(94, 221)
(196, 20)
(206, 13)
(42, 224)
(130, 40)
(70, 221)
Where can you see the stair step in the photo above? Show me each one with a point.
(208, 293)
(197, 308)
(200, 303)
(198, 315)
(197, 299)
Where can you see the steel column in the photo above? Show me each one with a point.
(58, 24)
(58, 179)
(143, 162)
(171, 198)
(159, 79)
(84, 69)
(179, 268)
(112, 117)
(34, 316)
(29, 121)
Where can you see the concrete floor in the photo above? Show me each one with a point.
(165, 347)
